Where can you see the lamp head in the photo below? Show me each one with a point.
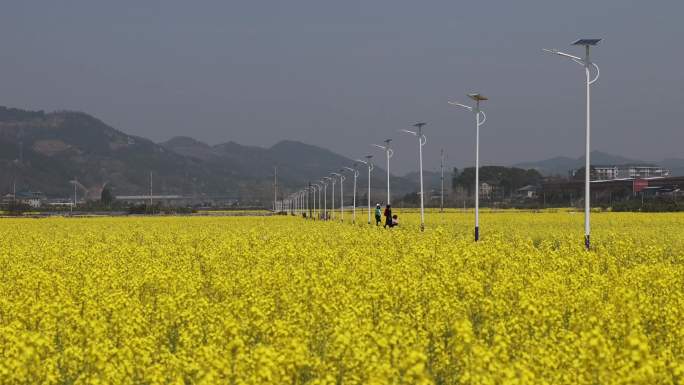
(587, 42)
(477, 97)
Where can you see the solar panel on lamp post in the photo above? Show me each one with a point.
(478, 122)
(590, 79)
(421, 142)
(388, 154)
(355, 173)
(370, 165)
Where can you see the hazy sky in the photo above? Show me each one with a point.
(344, 74)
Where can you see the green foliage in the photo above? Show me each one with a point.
(655, 204)
(106, 197)
(508, 178)
(16, 208)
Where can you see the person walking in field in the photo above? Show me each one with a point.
(378, 215)
(388, 216)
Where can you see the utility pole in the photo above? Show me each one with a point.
(441, 170)
(275, 187)
(21, 146)
(150, 190)
(74, 204)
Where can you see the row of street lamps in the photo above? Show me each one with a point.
(299, 201)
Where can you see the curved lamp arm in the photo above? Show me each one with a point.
(484, 117)
(598, 72)
(423, 140)
(461, 105)
(390, 152)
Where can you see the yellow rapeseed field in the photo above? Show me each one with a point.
(281, 300)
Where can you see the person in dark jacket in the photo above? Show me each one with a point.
(388, 216)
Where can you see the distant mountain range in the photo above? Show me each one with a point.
(45, 151)
(562, 165)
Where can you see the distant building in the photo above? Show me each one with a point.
(34, 199)
(436, 194)
(486, 190)
(636, 171)
(628, 171)
(529, 192)
(605, 172)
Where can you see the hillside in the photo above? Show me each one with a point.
(562, 165)
(44, 151)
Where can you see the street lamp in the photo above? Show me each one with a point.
(335, 174)
(342, 179)
(476, 110)
(388, 154)
(354, 172)
(314, 186)
(421, 142)
(368, 163)
(320, 207)
(295, 199)
(332, 195)
(324, 181)
(588, 65)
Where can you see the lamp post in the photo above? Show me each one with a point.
(314, 186)
(588, 66)
(320, 208)
(355, 173)
(342, 178)
(332, 195)
(388, 154)
(324, 181)
(368, 163)
(478, 122)
(338, 175)
(421, 142)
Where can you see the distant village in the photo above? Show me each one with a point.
(610, 184)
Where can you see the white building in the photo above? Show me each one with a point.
(628, 171)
